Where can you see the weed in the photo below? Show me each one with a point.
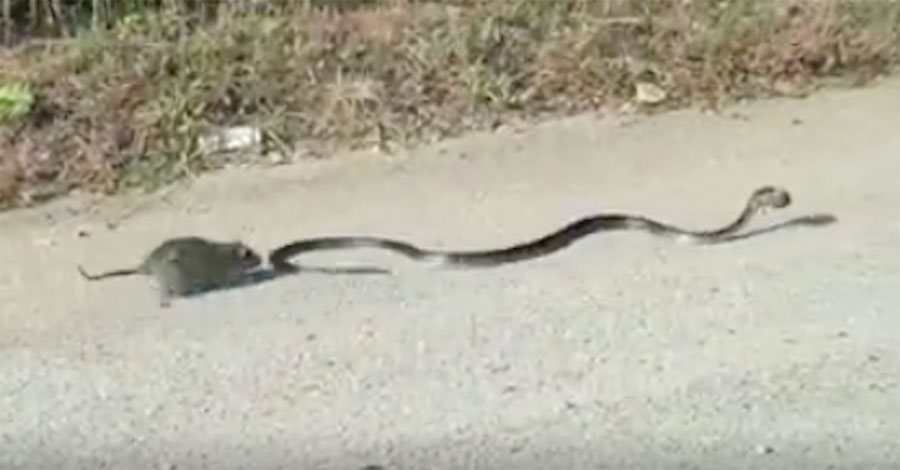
(15, 102)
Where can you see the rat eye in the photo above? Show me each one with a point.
(246, 253)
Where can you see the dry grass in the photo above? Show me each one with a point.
(124, 107)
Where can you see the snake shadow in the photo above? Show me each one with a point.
(268, 274)
(814, 220)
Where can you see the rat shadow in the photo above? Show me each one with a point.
(268, 274)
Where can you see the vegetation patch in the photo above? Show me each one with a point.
(125, 100)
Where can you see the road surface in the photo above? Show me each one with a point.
(624, 351)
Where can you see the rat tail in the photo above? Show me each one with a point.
(118, 272)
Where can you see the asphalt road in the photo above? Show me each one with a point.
(779, 351)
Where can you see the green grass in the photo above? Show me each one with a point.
(124, 107)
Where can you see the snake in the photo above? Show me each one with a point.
(763, 199)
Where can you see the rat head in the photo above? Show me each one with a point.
(769, 197)
(246, 258)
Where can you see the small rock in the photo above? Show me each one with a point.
(277, 158)
(231, 138)
(763, 449)
(790, 88)
(649, 93)
(44, 242)
(627, 108)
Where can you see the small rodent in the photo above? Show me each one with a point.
(188, 265)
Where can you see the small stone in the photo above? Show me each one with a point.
(763, 449)
(277, 158)
(627, 108)
(646, 92)
(44, 242)
(230, 139)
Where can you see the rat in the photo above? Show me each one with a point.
(187, 265)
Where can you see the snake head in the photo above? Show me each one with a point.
(770, 197)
